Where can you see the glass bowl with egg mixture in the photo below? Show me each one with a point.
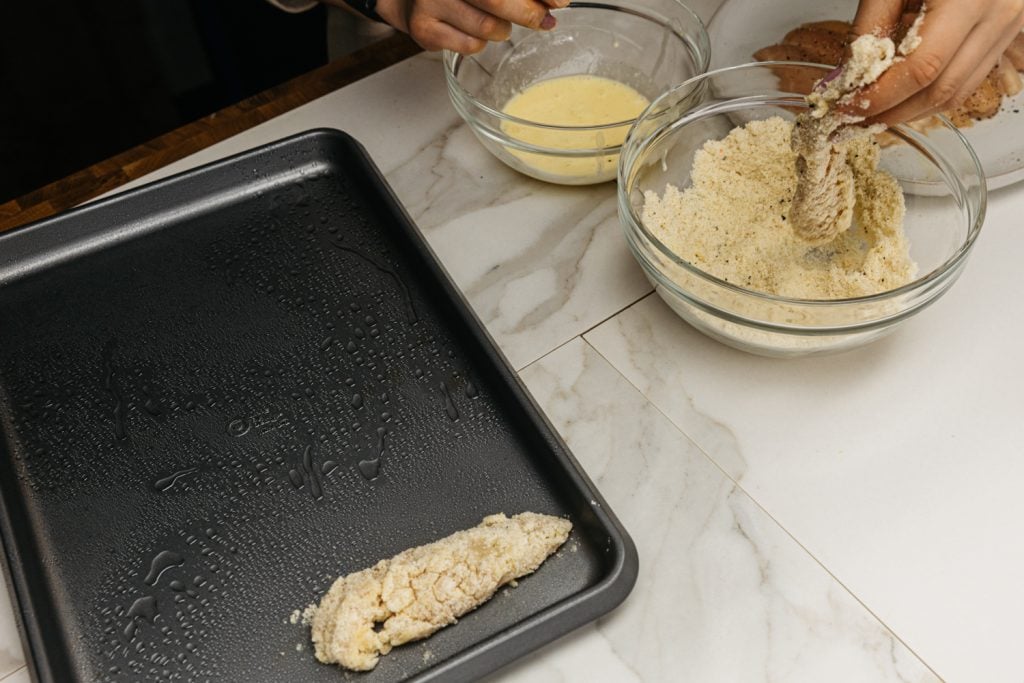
(674, 234)
(557, 105)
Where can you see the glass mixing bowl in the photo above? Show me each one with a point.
(650, 45)
(941, 178)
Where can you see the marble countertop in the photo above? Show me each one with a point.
(848, 518)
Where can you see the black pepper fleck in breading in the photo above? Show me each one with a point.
(746, 248)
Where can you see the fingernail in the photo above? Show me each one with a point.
(548, 22)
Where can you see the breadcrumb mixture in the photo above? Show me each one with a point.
(421, 590)
(912, 40)
(303, 616)
(733, 221)
(824, 200)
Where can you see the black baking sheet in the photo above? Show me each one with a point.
(223, 390)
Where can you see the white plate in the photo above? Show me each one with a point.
(742, 27)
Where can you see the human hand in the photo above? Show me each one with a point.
(465, 26)
(961, 41)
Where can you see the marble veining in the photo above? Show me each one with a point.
(896, 465)
(454, 175)
(724, 593)
(539, 263)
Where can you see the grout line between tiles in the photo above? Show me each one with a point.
(580, 334)
(520, 371)
(756, 502)
(629, 305)
(13, 673)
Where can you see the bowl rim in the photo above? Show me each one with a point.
(701, 51)
(634, 224)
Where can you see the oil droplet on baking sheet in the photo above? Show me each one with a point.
(314, 480)
(168, 482)
(144, 608)
(370, 468)
(449, 405)
(150, 404)
(163, 561)
(307, 472)
(110, 383)
(386, 270)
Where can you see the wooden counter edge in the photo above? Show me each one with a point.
(192, 137)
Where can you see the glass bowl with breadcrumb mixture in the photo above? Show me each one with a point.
(706, 185)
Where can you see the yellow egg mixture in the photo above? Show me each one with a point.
(581, 100)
